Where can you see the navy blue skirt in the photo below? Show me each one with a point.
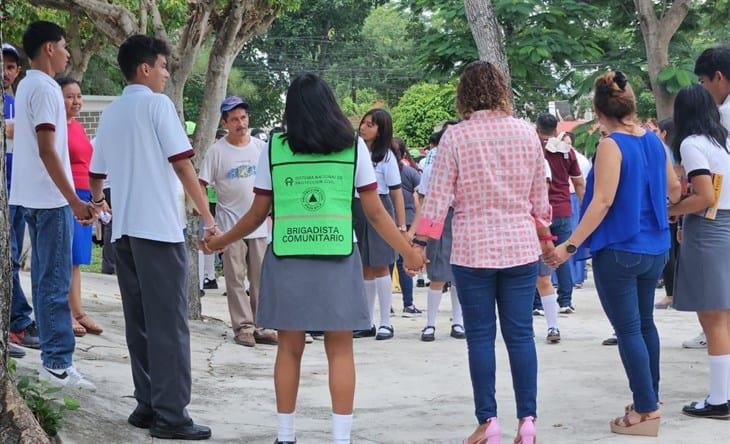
(81, 247)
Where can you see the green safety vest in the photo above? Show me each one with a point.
(312, 195)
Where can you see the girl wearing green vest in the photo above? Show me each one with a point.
(376, 129)
(312, 273)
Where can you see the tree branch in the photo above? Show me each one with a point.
(673, 19)
(157, 24)
(143, 14)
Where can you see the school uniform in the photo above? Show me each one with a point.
(438, 251)
(375, 252)
(702, 281)
(303, 289)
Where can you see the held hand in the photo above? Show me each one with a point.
(547, 248)
(213, 243)
(84, 212)
(558, 256)
(415, 260)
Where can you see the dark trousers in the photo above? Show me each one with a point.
(510, 290)
(626, 283)
(562, 229)
(153, 278)
(406, 281)
(670, 269)
(107, 250)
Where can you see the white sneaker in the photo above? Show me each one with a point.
(69, 377)
(700, 341)
(308, 339)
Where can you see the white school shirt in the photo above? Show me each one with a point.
(364, 173)
(700, 154)
(38, 104)
(585, 167)
(725, 113)
(139, 135)
(231, 170)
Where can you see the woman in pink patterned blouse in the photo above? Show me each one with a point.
(491, 170)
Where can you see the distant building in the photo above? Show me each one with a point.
(91, 112)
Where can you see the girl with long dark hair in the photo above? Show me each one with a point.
(376, 129)
(307, 178)
(703, 283)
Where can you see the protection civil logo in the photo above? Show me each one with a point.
(313, 198)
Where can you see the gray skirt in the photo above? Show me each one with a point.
(703, 267)
(312, 294)
(374, 251)
(438, 252)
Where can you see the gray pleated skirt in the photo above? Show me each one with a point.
(438, 252)
(703, 267)
(312, 294)
(374, 251)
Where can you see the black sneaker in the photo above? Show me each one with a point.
(553, 336)
(411, 311)
(276, 441)
(369, 333)
(420, 283)
(611, 340)
(703, 409)
(457, 331)
(188, 432)
(385, 333)
(210, 284)
(428, 334)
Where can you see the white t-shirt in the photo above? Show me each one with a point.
(549, 171)
(231, 171)
(585, 167)
(725, 113)
(699, 153)
(38, 104)
(139, 135)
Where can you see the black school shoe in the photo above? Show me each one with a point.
(428, 334)
(707, 410)
(369, 333)
(382, 336)
(188, 432)
(457, 331)
(276, 441)
(140, 419)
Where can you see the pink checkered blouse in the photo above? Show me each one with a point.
(493, 167)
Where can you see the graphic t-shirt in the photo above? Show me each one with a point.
(231, 170)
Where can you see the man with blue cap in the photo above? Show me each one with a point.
(230, 166)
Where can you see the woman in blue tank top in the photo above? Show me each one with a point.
(625, 225)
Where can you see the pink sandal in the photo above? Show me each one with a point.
(526, 431)
(492, 434)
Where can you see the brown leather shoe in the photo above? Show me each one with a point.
(245, 338)
(266, 336)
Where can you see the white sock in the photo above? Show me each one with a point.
(371, 291)
(550, 304)
(210, 266)
(285, 426)
(385, 298)
(456, 317)
(341, 428)
(432, 307)
(719, 369)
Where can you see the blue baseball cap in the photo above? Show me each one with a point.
(233, 102)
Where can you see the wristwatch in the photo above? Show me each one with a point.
(571, 249)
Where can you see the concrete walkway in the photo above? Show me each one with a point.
(407, 391)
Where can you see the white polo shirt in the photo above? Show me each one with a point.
(38, 105)
(139, 135)
(725, 113)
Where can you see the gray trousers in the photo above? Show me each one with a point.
(153, 279)
(107, 250)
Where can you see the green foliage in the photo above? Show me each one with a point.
(587, 136)
(364, 100)
(422, 107)
(42, 401)
(675, 78)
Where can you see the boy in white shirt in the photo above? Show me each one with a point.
(230, 167)
(142, 147)
(42, 186)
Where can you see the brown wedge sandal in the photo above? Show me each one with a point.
(89, 324)
(647, 426)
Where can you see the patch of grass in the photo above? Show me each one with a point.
(95, 265)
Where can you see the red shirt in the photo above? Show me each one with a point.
(562, 167)
(79, 151)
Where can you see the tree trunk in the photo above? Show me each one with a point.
(81, 51)
(17, 423)
(488, 35)
(657, 35)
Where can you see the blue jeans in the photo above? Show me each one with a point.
(562, 227)
(406, 283)
(626, 283)
(50, 236)
(512, 290)
(20, 311)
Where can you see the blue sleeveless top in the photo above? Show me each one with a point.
(637, 222)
